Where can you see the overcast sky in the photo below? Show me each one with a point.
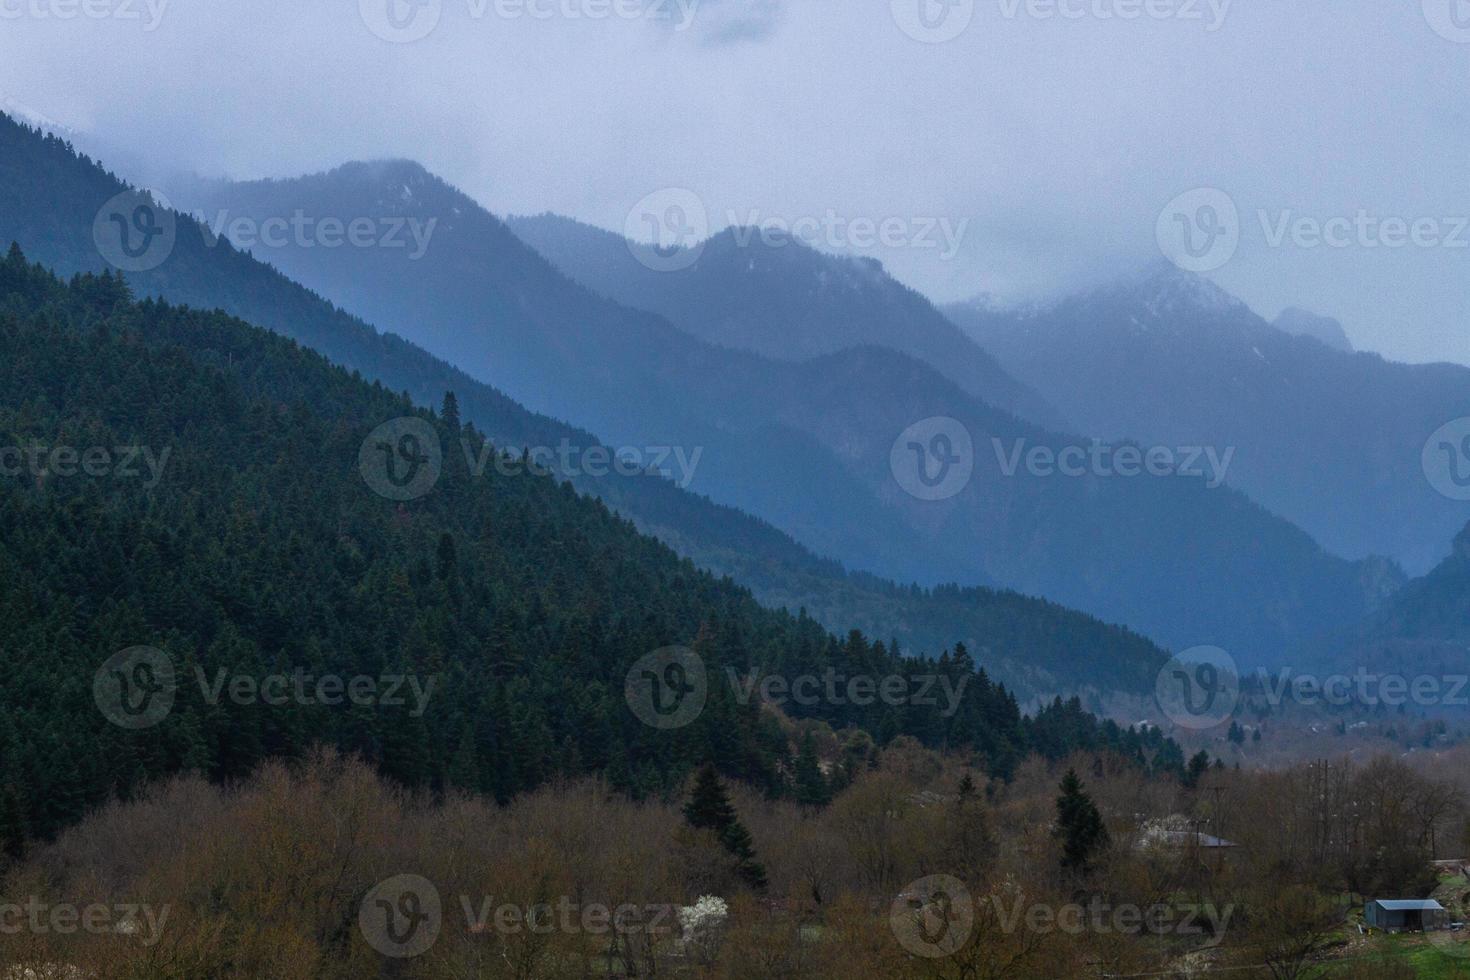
(1013, 148)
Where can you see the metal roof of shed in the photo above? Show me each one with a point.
(1408, 905)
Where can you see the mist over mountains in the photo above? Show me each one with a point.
(808, 444)
(1327, 438)
(774, 415)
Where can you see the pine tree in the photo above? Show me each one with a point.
(737, 840)
(709, 808)
(450, 412)
(1080, 826)
(1199, 764)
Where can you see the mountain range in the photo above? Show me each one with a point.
(50, 197)
(1328, 438)
(782, 299)
(809, 444)
(796, 421)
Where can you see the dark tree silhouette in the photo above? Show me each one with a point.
(1079, 827)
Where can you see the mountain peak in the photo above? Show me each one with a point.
(386, 167)
(397, 171)
(763, 246)
(1160, 291)
(390, 187)
(1166, 289)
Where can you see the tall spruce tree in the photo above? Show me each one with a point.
(1199, 764)
(709, 808)
(1080, 826)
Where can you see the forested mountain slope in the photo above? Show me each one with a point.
(50, 197)
(263, 546)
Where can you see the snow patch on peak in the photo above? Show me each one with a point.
(1165, 289)
(1159, 291)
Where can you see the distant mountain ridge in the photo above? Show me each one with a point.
(486, 302)
(1434, 607)
(1422, 631)
(1327, 438)
(781, 299)
(808, 445)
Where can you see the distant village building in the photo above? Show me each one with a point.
(1405, 915)
(1178, 832)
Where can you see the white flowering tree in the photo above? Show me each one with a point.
(702, 927)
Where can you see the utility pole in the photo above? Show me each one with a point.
(1219, 826)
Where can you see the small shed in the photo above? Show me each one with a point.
(1404, 915)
